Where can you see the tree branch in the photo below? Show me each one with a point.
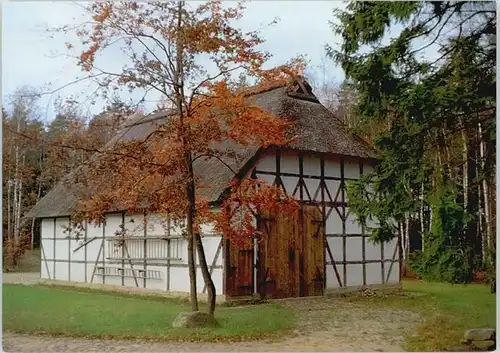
(211, 155)
(208, 79)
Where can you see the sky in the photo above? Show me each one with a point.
(31, 57)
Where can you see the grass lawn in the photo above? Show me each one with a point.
(448, 310)
(63, 311)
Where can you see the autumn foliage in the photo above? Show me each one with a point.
(249, 199)
(187, 53)
(152, 174)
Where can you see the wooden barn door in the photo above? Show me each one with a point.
(279, 252)
(239, 269)
(291, 255)
(313, 246)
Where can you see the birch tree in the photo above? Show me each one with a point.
(18, 168)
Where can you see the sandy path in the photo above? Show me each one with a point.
(325, 324)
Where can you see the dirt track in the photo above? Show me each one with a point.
(326, 324)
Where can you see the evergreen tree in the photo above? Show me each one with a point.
(437, 152)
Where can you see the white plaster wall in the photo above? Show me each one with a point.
(312, 165)
(335, 244)
(333, 188)
(62, 249)
(77, 272)
(155, 283)
(210, 245)
(156, 226)
(374, 273)
(331, 279)
(333, 222)
(47, 228)
(332, 168)
(391, 252)
(62, 253)
(217, 278)
(62, 271)
(55, 246)
(78, 255)
(44, 271)
(94, 246)
(354, 246)
(290, 183)
(266, 162)
(179, 279)
(352, 226)
(90, 269)
(179, 276)
(354, 275)
(351, 169)
(61, 227)
(289, 162)
(47, 248)
(373, 252)
(129, 282)
(313, 188)
(48, 251)
(111, 227)
(113, 223)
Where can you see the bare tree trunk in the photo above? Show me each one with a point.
(16, 185)
(446, 148)
(402, 239)
(19, 206)
(191, 263)
(32, 246)
(471, 205)
(206, 274)
(9, 207)
(190, 188)
(38, 195)
(465, 164)
(430, 218)
(14, 210)
(431, 212)
(407, 236)
(480, 228)
(487, 228)
(422, 223)
(402, 252)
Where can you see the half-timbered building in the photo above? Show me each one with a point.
(321, 248)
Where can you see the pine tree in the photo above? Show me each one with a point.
(439, 114)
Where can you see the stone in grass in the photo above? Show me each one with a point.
(194, 319)
(488, 345)
(480, 334)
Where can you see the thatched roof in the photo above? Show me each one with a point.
(318, 130)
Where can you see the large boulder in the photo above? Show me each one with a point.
(194, 319)
(480, 334)
(488, 345)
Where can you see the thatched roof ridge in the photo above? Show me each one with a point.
(318, 130)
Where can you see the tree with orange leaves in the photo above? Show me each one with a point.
(166, 43)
